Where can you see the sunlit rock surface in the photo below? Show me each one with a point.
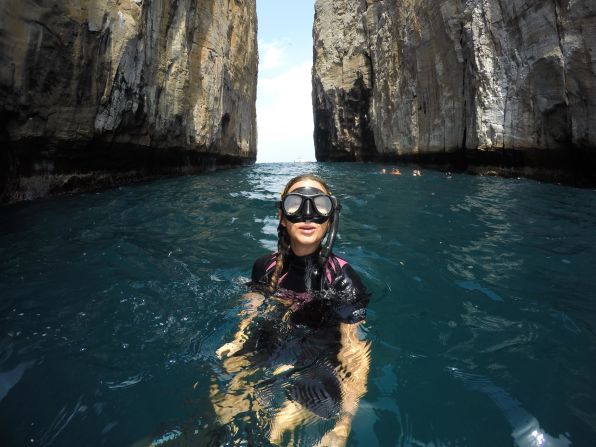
(95, 93)
(482, 81)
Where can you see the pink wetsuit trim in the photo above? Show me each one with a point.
(341, 263)
(270, 266)
(328, 268)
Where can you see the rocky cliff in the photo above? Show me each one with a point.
(509, 83)
(97, 92)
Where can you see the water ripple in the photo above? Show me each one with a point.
(482, 322)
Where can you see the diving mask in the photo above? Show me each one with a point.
(307, 204)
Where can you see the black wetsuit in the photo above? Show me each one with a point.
(306, 334)
(343, 297)
(309, 338)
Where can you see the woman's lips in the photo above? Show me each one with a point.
(307, 229)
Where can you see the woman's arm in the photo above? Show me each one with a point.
(254, 301)
(354, 364)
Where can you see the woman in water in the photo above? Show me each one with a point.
(297, 357)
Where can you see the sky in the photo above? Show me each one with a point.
(284, 105)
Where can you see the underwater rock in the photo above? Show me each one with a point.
(96, 93)
(476, 82)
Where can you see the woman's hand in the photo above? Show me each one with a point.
(253, 301)
(228, 349)
(334, 438)
(345, 287)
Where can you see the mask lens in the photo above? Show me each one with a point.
(292, 203)
(323, 205)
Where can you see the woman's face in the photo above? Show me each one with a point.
(305, 237)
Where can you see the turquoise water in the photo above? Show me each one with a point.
(482, 320)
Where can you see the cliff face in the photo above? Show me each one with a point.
(342, 81)
(414, 77)
(97, 92)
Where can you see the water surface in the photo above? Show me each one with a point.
(482, 320)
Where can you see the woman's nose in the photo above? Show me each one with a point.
(308, 208)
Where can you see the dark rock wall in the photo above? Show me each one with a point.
(95, 93)
(486, 81)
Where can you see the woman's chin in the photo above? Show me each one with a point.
(308, 234)
(302, 244)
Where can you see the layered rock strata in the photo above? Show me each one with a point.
(97, 92)
(483, 81)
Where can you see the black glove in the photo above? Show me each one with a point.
(343, 289)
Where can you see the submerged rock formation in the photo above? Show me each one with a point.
(480, 82)
(96, 92)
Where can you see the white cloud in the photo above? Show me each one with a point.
(284, 115)
(271, 55)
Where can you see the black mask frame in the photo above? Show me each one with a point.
(308, 212)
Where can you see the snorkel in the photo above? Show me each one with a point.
(331, 235)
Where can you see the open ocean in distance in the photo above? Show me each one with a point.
(482, 319)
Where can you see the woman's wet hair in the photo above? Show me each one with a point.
(283, 238)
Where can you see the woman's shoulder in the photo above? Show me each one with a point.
(262, 265)
(338, 267)
(266, 260)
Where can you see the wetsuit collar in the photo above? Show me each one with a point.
(303, 261)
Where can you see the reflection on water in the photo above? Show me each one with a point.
(481, 324)
(526, 429)
(295, 381)
(488, 209)
(8, 379)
